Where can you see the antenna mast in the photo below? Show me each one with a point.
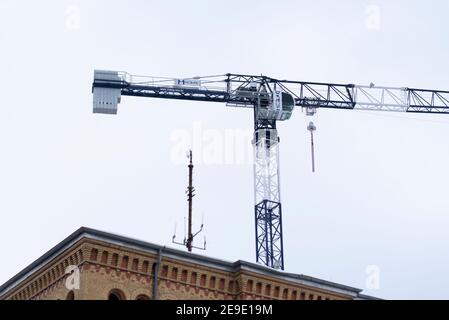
(190, 195)
(188, 240)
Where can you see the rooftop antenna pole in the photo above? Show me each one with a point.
(190, 195)
(188, 239)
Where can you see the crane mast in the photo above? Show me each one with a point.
(272, 100)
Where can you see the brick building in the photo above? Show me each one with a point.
(91, 264)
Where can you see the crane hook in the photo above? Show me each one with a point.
(311, 127)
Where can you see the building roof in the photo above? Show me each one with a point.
(89, 233)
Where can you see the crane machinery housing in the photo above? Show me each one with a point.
(272, 100)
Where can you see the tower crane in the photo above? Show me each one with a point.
(271, 100)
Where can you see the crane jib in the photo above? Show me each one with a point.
(245, 91)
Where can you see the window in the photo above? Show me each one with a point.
(174, 273)
(212, 283)
(268, 290)
(193, 278)
(125, 262)
(221, 284)
(114, 260)
(294, 295)
(285, 294)
(203, 280)
(276, 292)
(259, 288)
(249, 285)
(303, 296)
(145, 266)
(104, 257)
(94, 254)
(164, 272)
(142, 297)
(115, 295)
(184, 276)
(135, 264)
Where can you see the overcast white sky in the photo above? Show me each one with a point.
(379, 196)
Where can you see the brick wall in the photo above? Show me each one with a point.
(129, 274)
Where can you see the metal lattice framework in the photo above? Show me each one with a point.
(268, 209)
(258, 92)
(306, 94)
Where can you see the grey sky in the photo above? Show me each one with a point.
(379, 195)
